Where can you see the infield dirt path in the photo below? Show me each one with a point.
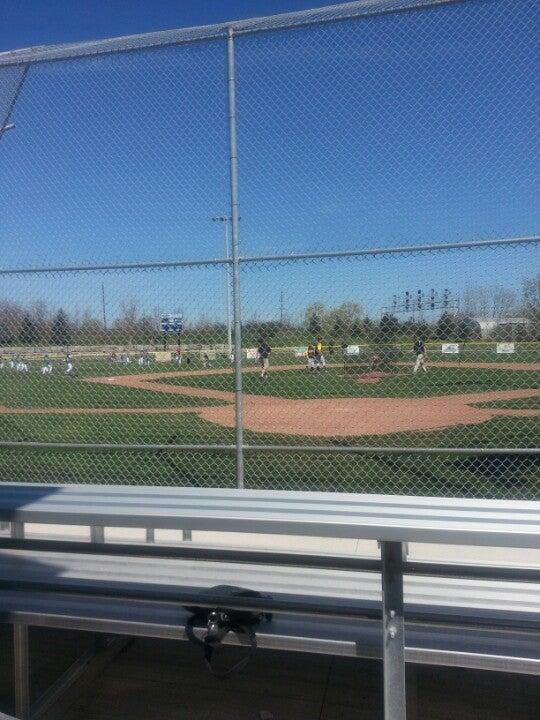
(331, 417)
(324, 417)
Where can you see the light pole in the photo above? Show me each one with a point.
(226, 220)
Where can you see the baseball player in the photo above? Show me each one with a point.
(46, 366)
(310, 355)
(1, 362)
(178, 356)
(263, 353)
(321, 362)
(206, 361)
(420, 351)
(318, 360)
(68, 360)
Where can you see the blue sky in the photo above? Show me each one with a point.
(41, 22)
(398, 130)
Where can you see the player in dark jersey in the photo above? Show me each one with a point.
(420, 352)
(263, 353)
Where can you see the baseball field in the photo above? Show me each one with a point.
(479, 401)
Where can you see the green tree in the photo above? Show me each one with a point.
(446, 328)
(28, 334)
(60, 329)
(467, 328)
(314, 318)
(388, 327)
(531, 298)
(369, 329)
(7, 336)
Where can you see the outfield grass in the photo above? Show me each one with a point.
(332, 382)
(58, 390)
(469, 352)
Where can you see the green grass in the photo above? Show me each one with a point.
(505, 476)
(530, 403)
(60, 391)
(332, 382)
(474, 352)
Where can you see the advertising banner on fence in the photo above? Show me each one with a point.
(450, 348)
(299, 352)
(506, 347)
(353, 350)
(251, 354)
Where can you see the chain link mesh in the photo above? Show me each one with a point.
(367, 125)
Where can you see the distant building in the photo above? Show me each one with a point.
(487, 325)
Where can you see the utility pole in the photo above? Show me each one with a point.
(281, 308)
(103, 307)
(226, 221)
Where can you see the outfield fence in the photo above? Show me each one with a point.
(297, 252)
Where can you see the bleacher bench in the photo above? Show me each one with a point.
(478, 616)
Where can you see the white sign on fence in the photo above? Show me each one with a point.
(450, 348)
(299, 352)
(353, 350)
(506, 347)
(252, 354)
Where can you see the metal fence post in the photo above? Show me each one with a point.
(21, 661)
(393, 631)
(17, 530)
(97, 534)
(231, 91)
(20, 652)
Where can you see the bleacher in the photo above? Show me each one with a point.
(403, 611)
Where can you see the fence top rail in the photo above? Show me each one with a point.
(505, 523)
(179, 36)
(289, 257)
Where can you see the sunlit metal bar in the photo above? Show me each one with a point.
(321, 449)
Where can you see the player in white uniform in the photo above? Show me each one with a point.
(310, 357)
(46, 366)
(420, 351)
(69, 364)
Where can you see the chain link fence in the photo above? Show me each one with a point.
(296, 252)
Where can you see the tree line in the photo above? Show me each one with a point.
(37, 324)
